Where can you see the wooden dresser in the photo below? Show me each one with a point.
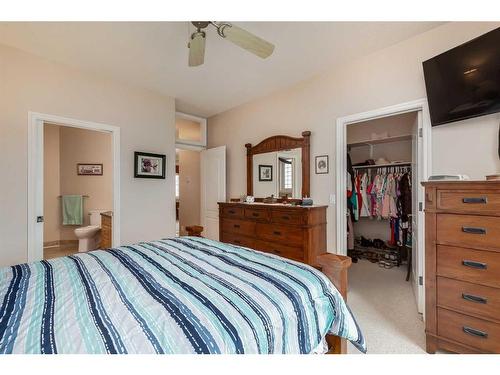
(294, 232)
(106, 230)
(462, 266)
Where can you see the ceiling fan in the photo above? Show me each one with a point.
(235, 34)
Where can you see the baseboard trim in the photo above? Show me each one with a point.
(59, 243)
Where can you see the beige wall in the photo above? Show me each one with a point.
(146, 120)
(387, 77)
(51, 184)
(189, 189)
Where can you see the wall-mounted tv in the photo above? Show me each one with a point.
(464, 82)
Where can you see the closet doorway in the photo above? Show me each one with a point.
(397, 138)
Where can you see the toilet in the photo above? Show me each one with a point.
(89, 236)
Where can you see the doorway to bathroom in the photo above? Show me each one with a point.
(77, 189)
(73, 186)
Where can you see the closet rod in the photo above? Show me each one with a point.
(381, 165)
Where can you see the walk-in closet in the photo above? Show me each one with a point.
(383, 200)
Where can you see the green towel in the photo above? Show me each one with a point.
(72, 209)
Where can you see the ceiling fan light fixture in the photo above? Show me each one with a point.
(234, 34)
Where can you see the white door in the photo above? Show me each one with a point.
(213, 189)
(35, 193)
(418, 214)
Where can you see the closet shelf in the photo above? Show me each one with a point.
(405, 164)
(371, 142)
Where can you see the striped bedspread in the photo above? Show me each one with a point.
(178, 295)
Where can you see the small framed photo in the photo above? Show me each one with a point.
(84, 169)
(321, 163)
(147, 165)
(265, 172)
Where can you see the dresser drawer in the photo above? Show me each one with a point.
(467, 330)
(232, 212)
(238, 227)
(468, 201)
(469, 298)
(280, 233)
(257, 213)
(281, 250)
(469, 230)
(236, 239)
(286, 217)
(476, 266)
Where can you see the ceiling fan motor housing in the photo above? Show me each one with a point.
(200, 24)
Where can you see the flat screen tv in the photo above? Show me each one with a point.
(464, 82)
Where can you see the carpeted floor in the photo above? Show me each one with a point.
(385, 308)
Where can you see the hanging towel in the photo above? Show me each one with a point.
(72, 209)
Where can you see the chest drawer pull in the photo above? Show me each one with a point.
(232, 211)
(473, 230)
(476, 200)
(475, 332)
(277, 233)
(474, 264)
(473, 298)
(255, 214)
(285, 217)
(236, 225)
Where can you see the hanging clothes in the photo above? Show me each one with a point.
(383, 195)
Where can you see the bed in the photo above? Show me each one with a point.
(176, 295)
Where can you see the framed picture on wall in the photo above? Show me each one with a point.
(265, 172)
(321, 163)
(87, 169)
(147, 165)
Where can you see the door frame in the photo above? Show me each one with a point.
(424, 160)
(36, 122)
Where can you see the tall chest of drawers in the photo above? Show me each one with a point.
(462, 266)
(294, 232)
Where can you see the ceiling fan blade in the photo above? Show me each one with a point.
(246, 40)
(197, 49)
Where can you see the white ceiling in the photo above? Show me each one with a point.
(154, 54)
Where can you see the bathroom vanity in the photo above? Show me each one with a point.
(106, 230)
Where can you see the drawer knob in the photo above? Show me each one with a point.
(476, 200)
(277, 233)
(236, 225)
(473, 230)
(232, 211)
(474, 264)
(285, 217)
(475, 332)
(255, 214)
(473, 298)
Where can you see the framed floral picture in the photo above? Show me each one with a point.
(321, 163)
(147, 165)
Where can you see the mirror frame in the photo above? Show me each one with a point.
(280, 143)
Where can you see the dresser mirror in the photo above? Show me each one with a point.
(279, 167)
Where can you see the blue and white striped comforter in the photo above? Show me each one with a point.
(183, 295)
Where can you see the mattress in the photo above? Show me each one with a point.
(176, 295)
